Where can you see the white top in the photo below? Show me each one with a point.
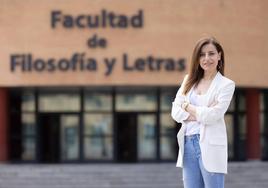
(193, 127)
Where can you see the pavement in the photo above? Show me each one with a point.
(250, 174)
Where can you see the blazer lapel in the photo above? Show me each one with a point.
(208, 99)
(188, 94)
(212, 87)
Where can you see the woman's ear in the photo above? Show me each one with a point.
(219, 55)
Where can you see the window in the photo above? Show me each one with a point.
(98, 140)
(56, 101)
(28, 122)
(98, 125)
(130, 99)
(235, 119)
(168, 142)
(97, 101)
(146, 136)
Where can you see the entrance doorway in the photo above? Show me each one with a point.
(49, 138)
(58, 137)
(126, 124)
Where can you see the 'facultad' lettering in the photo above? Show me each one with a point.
(104, 19)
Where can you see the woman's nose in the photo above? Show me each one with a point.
(206, 56)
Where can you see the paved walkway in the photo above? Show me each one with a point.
(165, 175)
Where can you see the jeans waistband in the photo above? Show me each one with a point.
(193, 136)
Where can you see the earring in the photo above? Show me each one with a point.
(219, 65)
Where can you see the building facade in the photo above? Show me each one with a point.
(93, 81)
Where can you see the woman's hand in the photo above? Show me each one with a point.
(214, 103)
(191, 109)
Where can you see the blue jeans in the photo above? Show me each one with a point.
(194, 173)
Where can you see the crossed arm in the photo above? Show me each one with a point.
(191, 109)
(204, 114)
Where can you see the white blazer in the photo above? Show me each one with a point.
(213, 136)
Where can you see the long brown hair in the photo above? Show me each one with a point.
(196, 72)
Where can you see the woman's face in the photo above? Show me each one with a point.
(209, 58)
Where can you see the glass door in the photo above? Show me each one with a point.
(136, 137)
(126, 125)
(58, 137)
(146, 136)
(49, 140)
(69, 134)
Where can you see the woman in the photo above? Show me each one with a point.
(200, 105)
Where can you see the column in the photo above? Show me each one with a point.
(3, 124)
(253, 123)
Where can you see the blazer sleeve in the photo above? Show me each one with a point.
(177, 113)
(209, 115)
